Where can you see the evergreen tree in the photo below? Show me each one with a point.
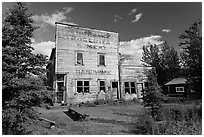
(152, 96)
(169, 62)
(165, 60)
(21, 86)
(192, 56)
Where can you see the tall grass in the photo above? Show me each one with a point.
(172, 120)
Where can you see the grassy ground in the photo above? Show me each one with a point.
(120, 119)
(106, 120)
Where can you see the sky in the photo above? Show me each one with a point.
(138, 23)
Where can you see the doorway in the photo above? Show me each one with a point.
(115, 92)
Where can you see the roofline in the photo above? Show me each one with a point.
(137, 66)
(68, 24)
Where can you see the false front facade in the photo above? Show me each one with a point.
(83, 63)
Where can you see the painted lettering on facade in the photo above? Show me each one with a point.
(94, 47)
(93, 72)
(83, 35)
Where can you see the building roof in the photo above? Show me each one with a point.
(176, 81)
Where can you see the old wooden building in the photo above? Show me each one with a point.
(133, 80)
(83, 63)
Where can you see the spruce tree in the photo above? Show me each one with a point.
(192, 56)
(165, 60)
(21, 87)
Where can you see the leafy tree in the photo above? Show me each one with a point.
(21, 86)
(192, 55)
(165, 60)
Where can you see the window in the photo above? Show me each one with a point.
(127, 89)
(102, 86)
(179, 89)
(83, 87)
(101, 58)
(79, 58)
(130, 87)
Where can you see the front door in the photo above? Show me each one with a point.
(114, 93)
(60, 88)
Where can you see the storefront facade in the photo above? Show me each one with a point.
(85, 63)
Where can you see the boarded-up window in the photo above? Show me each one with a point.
(130, 87)
(83, 87)
(101, 59)
(102, 85)
(79, 58)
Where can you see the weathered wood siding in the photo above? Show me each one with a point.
(131, 73)
(70, 39)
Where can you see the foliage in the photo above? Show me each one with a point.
(110, 102)
(152, 96)
(192, 56)
(176, 120)
(22, 86)
(164, 59)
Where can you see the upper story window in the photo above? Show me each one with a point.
(79, 58)
(101, 59)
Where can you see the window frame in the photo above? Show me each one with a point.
(83, 86)
(60, 90)
(99, 54)
(76, 60)
(179, 90)
(102, 86)
(130, 87)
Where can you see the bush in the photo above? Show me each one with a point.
(175, 119)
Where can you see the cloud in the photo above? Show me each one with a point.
(59, 16)
(166, 30)
(117, 17)
(44, 47)
(137, 17)
(132, 11)
(134, 47)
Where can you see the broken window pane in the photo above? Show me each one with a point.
(80, 89)
(79, 58)
(102, 85)
(60, 77)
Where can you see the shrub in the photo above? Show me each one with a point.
(176, 119)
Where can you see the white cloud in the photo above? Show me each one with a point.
(137, 17)
(132, 11)
(54, 17)
(44, 47)
(134, 47)
(166, 30)
(117, 17)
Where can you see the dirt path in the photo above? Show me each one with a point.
(106, 120)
